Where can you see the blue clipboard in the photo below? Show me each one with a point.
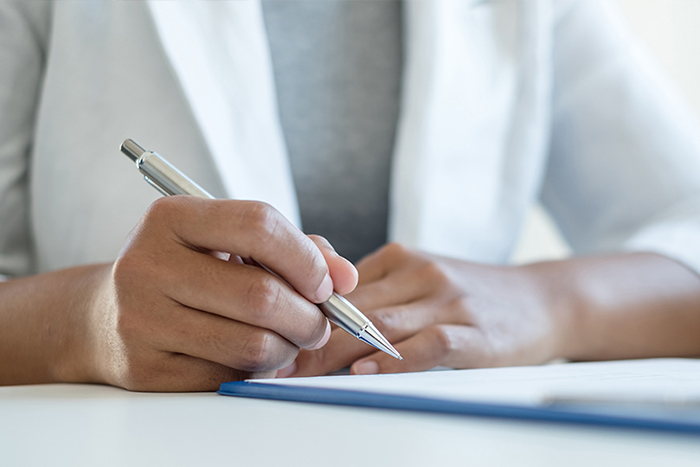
(667, 420)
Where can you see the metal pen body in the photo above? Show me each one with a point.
(346, 316)
(168, 180)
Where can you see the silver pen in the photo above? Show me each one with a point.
(167, 179)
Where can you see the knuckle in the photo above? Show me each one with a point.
(128, 267)
(395, 250)
(385, 321)
(460, 306)
(159, 210)
(131, 275)
(122, 269)
(443, 340)
(434, 272)
(258, 352)
(262, 219)
(264, 296)
(127, 323)
(127, 319)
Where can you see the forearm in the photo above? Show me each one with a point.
(44, 323)
(622, 306)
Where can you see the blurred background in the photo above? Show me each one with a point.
(669, 29)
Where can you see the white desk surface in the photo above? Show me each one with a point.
(82, 425)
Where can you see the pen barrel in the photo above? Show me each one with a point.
(342, 313)
(166, 178)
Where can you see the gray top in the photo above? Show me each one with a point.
(337, 67)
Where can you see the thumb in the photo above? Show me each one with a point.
(342, 271)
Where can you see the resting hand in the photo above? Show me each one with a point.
(439, 312)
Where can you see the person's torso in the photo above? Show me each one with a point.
(470, 143)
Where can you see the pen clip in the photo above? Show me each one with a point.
(156, 186)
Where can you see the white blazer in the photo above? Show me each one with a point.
(504, 103)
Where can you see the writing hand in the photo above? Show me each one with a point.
(173, 317)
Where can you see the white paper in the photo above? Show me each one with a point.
(656, 380)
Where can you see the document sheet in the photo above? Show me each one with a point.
(660, 394)
(667, 381)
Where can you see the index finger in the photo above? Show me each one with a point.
(248, 229)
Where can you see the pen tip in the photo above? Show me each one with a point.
(373, 337)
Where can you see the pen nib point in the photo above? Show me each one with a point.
(373, 337)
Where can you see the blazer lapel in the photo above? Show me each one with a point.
(241, 129)
(469, 119)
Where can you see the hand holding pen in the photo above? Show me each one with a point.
(168, 316)
(189, 321)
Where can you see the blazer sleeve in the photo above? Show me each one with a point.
(624, 164)
(24, 28)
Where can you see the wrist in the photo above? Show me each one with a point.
(551, 283)
(77, 349)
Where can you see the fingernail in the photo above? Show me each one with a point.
(324, 339)
(287, 371)
(369, 367)
(325, 290)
